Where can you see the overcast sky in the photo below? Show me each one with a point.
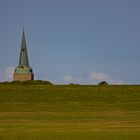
(73, 41)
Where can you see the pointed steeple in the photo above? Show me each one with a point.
(23, 71)
(23, 60)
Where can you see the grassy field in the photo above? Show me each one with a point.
(69, 112)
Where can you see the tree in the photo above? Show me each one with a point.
(103, 83)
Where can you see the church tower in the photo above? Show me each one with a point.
(23, 71)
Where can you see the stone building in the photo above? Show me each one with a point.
(23, 71)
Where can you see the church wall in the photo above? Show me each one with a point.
(23, 77)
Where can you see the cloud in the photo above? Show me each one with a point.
(99, 76)
(74, 79)
(68, 78)
(8, 73)
(92, 78)
(117, 82)
(1, 75)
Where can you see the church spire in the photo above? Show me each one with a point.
(23, 60)
(23, 71)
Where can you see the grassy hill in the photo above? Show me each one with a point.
(40, 112)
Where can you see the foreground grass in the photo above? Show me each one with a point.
(69, 112)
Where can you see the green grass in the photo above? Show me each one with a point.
(42, 112)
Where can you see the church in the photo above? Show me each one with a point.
(23, 71)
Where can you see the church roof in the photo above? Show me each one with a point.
(23, 60)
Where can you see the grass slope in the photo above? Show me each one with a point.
(42, 112)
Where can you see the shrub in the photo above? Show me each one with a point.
(36, 82)
(103, 83)
(16, 82)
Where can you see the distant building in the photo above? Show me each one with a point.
(23, 71)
